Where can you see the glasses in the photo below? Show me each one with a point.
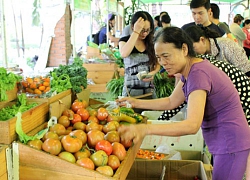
(145, 30)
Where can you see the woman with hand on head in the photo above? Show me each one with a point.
(137, 50)
(213, 105)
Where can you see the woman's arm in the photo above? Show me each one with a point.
(195, 114)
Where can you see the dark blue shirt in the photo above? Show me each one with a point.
(211, 26)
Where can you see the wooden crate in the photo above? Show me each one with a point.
(100, 73)
(97, 88)
(3, 163)
(51, 99)
(30, 120)
(39, 165)
(12, 95)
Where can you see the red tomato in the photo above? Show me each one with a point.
(77, 105)
(52, 146)
(126, 144)
(86, 163)
(114, 162)
(107, 170)
(102, 114)
(94, 136)
(67, 156)
(80, 134)
(105, 146)
(119, 150)
(76, 118)
(71, 144)
(83, 113)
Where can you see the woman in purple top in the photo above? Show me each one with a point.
(213, 104)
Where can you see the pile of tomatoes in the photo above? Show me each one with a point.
(36, 85)
(147, 154)
(86, 137)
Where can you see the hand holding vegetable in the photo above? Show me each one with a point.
(127, 100)
(133, 133)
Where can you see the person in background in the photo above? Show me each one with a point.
(213, 105)
(161, 14)
(246, 42)
(206, 41)
(236, 29)
(127, 30)
(157, 22)
(103, 32)
(166, 21)
(214, 18)
(137, 51)
(200, 12)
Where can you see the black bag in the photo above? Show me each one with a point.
(96, 38)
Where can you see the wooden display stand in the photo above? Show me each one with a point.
(3, 162)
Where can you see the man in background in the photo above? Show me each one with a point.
(236, 29)
(200, 12)
(214, 18)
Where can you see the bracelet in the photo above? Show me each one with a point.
(136, 32)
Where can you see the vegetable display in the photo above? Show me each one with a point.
(20, 106)
(7, 82)
(92, 141)
(76, 73)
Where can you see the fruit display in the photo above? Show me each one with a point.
(88, 137)
(152, 155)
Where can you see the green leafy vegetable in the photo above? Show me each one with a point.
(7, 82)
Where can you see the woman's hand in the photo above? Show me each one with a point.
(139, 24)
(133, 133)
(124, 101)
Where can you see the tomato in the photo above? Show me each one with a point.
(84, 152)
(112, 118)
(36, 143)
(86, 163)
(79, 125)
(102, 114)
(94, 136)
(71, 144)
(114, 162)
(93, 119)
(110, 126)
(50, 134)
(69, 113)
(92, 112)
(58, 129)
(80, 134)
(112, 136)
(119, 150)
(67, 156)
(100, 158)
(64, 120)
(83, 113)
(93, 125)
(105, 146)
(77, 105)
(52, 146)
(126, 144)
(106, 170)
(76, 118)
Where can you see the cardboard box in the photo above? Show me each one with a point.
(30, 120)
(175, 169)
(189, 142)
(51, 99)
(3, 162)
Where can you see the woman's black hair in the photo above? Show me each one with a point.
(195, 32)
(246, 22)
(157, 18)
(149, 39)
(176, 36)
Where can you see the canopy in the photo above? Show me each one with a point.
(187, 1)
